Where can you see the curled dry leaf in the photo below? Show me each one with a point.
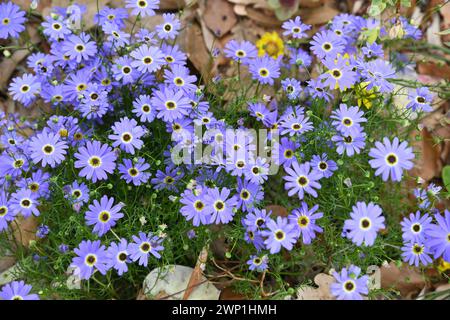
(428, 163)
(219, 16)
(323, 281)
(407, 280)
(277, 211)
(318, 15)
(25, 230)
(197, 275)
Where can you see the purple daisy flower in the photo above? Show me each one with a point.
(255, 238)
(347, 120)
(147, 59)
(96, 160)
(243, 51)
(377, 72)
(286, 152)
(48, 148)
(42, 231)
(194, 207)
(143, 246)
(349, 285)
(256, 220)
(265, 69)
(25, 89)
(170, 28)
(327, 44)
(350, 143)
(178, 77)
(123, 71)
(90, 255)
(295, 28)
(117, 256)
(77, 193)
(127, 134)
(280, 233)
(292, 87)
(79, 47)
(103, 215)
(168, 179)
(366, 220)
(296, 125)
(134, 171)
(249, 194)
(25, 202)
(304, 220)
(13, 164)
(17, 290)
(258, 263)
(339, 75)
(420, 100)
(143, 8)
(373, 50)
(37, 183)
(170, 105)
(438, 237)
(390, 159)
(317, 90)
(301, 179)
(142, 108)
(6, 213)
(257, 172)
(220, 205)
(300, 58)
(422, 198)
(12, 20)
(415, 253)
(323, 166)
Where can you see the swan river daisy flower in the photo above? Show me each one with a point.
(96, 160)
(91, 255)
(103, 215)
(349, 285)
(127, 134)
(300, 180)
(47, 148)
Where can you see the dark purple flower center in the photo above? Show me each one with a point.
(90, 260)
(219, 205)
(148, 60)
(347, 121)
(240, 164)
(142, 3)
(259, 222)
(126, 137)
(81, 87)
(3, 211)
(18, 163)
(122, 256)
(296, 126)
(245, 194)
(56, 26)
(255, 170)
(348, 139)
(170, 105)
(365, 223)
(48, 149)
(168, 180)
(279, 235)
(349, 286)
(79, 48)
(94, 96)
(420, 99)
(146, 108)
(288, 153)
(303, 221)
(145, 247)
(199, 205)
(6, 21)
(257, 261)
(323, 165)
(240, 53)
(126, 70)
(34, 187)
(296, 30)
(76, 193)
(417, 249)
(263, 72)
(336, 73)
(25, 88)
(104, 216)
(169, 59)
(95, 161)
(326, 46)
(391, 159)
(416, 227)
(167, 27)
(25, 203)
(179, 81)
(133, 172)
(303, 181)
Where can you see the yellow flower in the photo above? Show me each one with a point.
(365, 96)
(443, 265)
(270, 43)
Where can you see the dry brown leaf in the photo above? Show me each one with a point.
(263, 17)
(319, 15)
(191, 42)
(240, 10)
(25, 230)
(428, 163)
(277, 211)
(229, 294)
(323, 281)
(408, 280)
(311, 3)
(197, 275)
(219, 16)
(171, 4)
(6, 263)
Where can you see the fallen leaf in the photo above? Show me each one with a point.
(323, 281)
(277, 211)
(427, 163)
(265, 18)
(318, 15)
(219, 16)
(172, 280)
(25, 230)
(407, 280)
(6, 262)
